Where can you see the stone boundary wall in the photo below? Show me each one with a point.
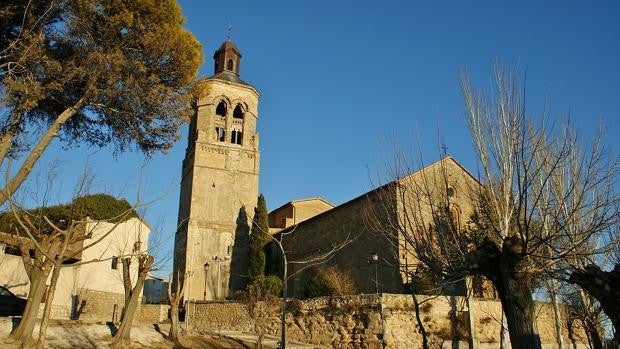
(216, 315)
(98, 305)
(152, 313)
(365, 321)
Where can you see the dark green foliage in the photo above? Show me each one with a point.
(268, 285)
(97, 207)
(316, 287)
(131, 62)
(259, 236)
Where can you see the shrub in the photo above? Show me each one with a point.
(268, 286)
(330, 282)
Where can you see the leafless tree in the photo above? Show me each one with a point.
(534, 182)
(278, 242)
(56, 244)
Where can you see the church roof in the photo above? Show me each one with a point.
(228, 76)
(380, 188)
(228, 44)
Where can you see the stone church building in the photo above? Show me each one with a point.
(219, 190)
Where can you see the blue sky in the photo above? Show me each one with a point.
(340, 79)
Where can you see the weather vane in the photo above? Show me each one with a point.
(229, 30)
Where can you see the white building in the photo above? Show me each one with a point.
(91, 287)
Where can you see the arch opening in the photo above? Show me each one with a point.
(221, 109)
(238, 112)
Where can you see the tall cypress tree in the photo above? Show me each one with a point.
(258, 239)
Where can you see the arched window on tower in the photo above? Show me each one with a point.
(238, 112)
(230, 65)
(221, 109)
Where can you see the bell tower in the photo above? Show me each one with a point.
(219, 183)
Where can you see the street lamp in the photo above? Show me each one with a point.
(206, 269)
(374, 258)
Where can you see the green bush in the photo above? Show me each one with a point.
(268, 285)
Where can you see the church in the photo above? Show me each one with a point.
(219, 190)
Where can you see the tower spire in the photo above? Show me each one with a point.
(227, 57)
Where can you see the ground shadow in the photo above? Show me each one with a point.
(239, 256)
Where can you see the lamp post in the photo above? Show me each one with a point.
(206, 269)
(374, 258)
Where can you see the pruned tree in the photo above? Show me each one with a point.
(174, 297)
(122, 338)
(534, 182)
(99, 72)
(57, 234)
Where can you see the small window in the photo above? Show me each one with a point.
(230, 65)
(236, 137)
(220, 134)
(114, 263)
(238, 112)
(228, 250)
(221, 109)
(451, 191)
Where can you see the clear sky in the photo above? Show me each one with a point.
(340, 79)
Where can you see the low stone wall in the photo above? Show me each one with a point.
(152, 313)
(99, 306)
(375, 321)
(213, 316)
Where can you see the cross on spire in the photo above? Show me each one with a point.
(229, 30)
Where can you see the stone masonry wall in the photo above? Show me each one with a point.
(213, 316)
(364, 321)
(99, 306)
(152, 313)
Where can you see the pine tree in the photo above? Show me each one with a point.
(258, 239)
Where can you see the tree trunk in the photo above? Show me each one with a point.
(126, 262)
(173, 334)
(592, 332)
(416, 308)
(515, 292)
(35, 153)
(23, 331)
(122, 338)
(506, 268)
(174, 297)
(604, 286)
(48, 308)
(557, 314)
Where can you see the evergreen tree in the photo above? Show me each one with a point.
(258, 239)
